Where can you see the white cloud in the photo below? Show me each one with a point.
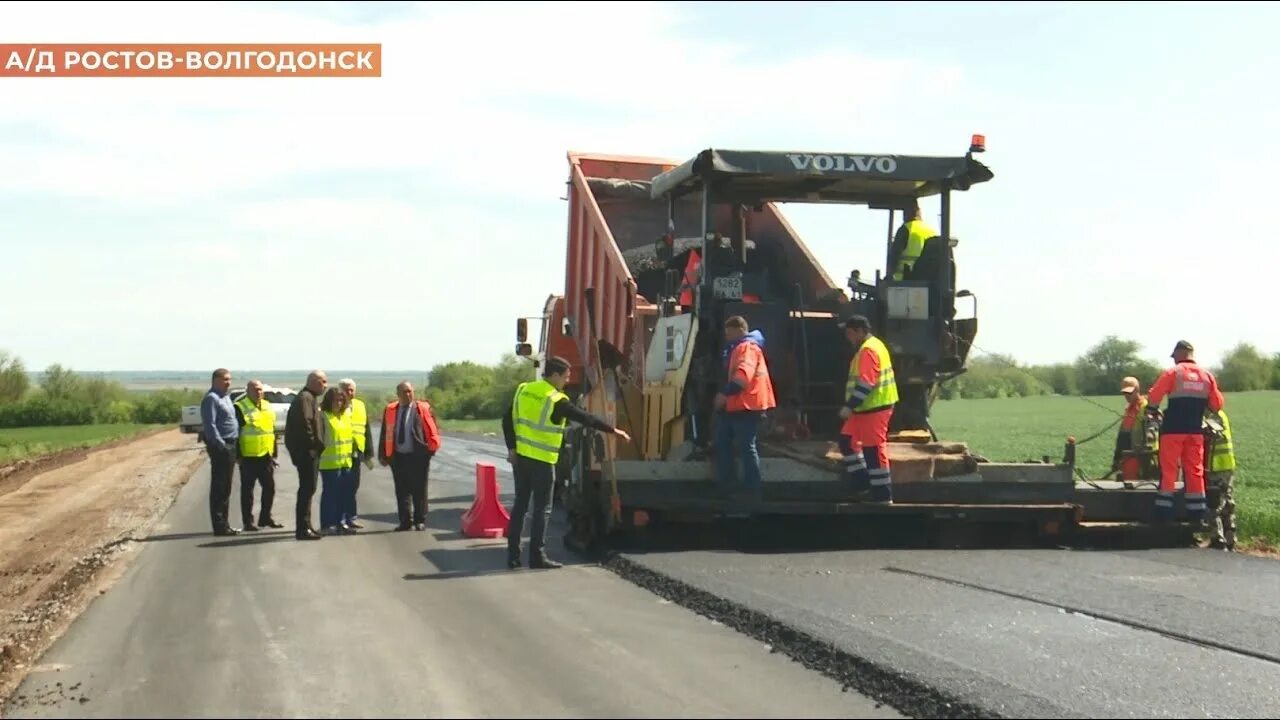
(465, 90)
(475, 111)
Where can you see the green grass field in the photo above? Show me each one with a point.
(21, 443)
(1026, 428)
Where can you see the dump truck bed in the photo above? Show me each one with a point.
(613, 227)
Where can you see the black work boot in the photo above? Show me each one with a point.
(513, 557)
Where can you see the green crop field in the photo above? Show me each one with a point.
(1019, 429)
(20, 443)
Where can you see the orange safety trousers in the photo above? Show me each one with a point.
(1186, 449)
(864, 440)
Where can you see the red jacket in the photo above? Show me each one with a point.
(430, 432)
(748, 368)
(1190, 389)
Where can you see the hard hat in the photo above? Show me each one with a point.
(1129, 384)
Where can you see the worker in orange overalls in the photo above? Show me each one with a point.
(1191, 390)
(1132, 436)
(872, 394)
(743, 402)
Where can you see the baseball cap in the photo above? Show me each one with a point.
(1129, 384)
(857, 322)
(1182, 345)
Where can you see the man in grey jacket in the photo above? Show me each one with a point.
(221, 437)
(304, 440)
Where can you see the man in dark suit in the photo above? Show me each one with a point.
(408, 439)
(304, 439)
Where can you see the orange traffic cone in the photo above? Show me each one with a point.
(486, 518)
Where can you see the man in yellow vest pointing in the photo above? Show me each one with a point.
(258, 453)
(534, 430)
(362, 435)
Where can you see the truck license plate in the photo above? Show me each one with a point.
(727, 288)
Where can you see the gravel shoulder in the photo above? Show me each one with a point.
(67, 530)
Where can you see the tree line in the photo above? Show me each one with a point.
(64, 397)
(456, 390)
(1099, 371)
(466, 390)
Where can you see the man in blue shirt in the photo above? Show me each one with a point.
(221, 438)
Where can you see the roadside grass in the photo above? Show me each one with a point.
(23, 443)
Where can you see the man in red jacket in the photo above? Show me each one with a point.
(407, 441)
(743, 401)
(1191, 390)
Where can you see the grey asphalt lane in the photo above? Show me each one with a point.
(1029, 633)
(398, 624)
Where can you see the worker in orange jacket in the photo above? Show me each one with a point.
(743, 402)
(1191, 390)
(1132, 437)
(872, 393)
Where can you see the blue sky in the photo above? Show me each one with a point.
(407, 220)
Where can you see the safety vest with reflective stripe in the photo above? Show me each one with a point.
(337, 445)
(359, 419)
(917, 234)
(885, 392)
(1223, 457)
(258, 437)
(537, 438)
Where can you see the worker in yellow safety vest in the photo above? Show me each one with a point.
(871, 394)
(534, 431)
(1220, 462)
(258, 453)
(362, 438)
(335, 463)
(908, 242)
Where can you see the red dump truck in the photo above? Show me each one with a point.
(660, 253)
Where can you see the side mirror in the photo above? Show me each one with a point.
(524, 349)
(522, 330)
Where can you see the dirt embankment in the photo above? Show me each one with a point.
(64, 528)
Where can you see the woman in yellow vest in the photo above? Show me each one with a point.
(338, 493)
(362, 445)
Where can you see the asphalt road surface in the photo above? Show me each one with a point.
(1025, 633)
(397, 624)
